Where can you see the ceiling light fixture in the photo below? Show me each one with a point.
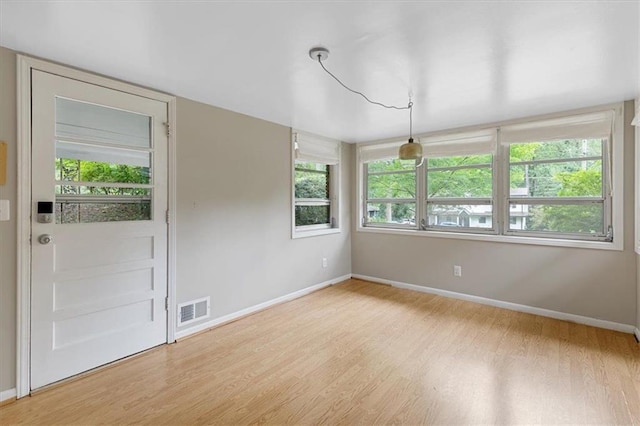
(409, 150)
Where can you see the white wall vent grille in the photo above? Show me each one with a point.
(194, 310)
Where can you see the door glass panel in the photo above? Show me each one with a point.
(97, 191)
(96, 123)
(91, 212)
(108, 149)
(71, 170)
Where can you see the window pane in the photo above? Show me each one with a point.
(460, 216)
(95, 171)
(312, 184)
(467, 183)
(571, 218)
(390, 165)
(396, 213)
(91, 212)
(548, 150)
(101, 191)
(462, 160)
(311, 166)
(565, 179)
(400, 185)
(97, 123)
(312, 215)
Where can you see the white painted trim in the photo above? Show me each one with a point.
(23, 220)
(538, 241)
(594, 322)
(637, 180)
(171, 232)
(259, 307)
(7, 395)
(23, 314)
(637, 333)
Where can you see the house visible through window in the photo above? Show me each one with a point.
(554, 181)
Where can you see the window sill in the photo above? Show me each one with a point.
(594, 245)
(301, 233)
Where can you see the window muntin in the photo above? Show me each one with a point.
(570, 156)
(559, 188)
(391, 192)
(312, 194)
(459, 192)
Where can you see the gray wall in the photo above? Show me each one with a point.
(233, 220)
(594, 283)
(234, 213)
(8, 229)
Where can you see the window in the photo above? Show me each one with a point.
(391, 192)
(550, 178)
(315, 185)
(313, 205)
(459, 191)
(103, 164)
(558, 177)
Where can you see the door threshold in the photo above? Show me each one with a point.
(91, 372)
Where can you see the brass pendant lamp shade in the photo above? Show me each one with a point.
(410, 151)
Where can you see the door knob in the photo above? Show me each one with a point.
(44, 239)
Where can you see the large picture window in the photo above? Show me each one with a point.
(315, 184)
(548, 179)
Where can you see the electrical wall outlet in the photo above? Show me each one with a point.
(324, 262)
(457, 270)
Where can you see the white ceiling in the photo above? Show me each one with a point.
(464, 62)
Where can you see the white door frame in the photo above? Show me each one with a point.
(23, 314)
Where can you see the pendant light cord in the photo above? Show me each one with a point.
(409, 106)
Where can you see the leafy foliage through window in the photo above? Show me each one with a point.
(548, 178)
(312, 194)
(391, 192)
(562, 185)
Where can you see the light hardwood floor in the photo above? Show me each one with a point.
(362, 353)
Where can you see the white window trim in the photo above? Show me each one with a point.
(636, 123)
(334, 193)
(617, 204)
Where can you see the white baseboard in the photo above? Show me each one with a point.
(609, 325)
(252, 309)
(7, 395)
(637, 333)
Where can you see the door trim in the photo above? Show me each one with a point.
(25, 65)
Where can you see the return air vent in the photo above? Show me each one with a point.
(194, 310)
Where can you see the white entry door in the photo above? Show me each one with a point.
(99, 261)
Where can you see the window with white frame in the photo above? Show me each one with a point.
(549, 178)
(459, 181)
(390, 187)
(315, 184)
(558, 177)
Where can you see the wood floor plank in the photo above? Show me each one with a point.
(362, 353)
